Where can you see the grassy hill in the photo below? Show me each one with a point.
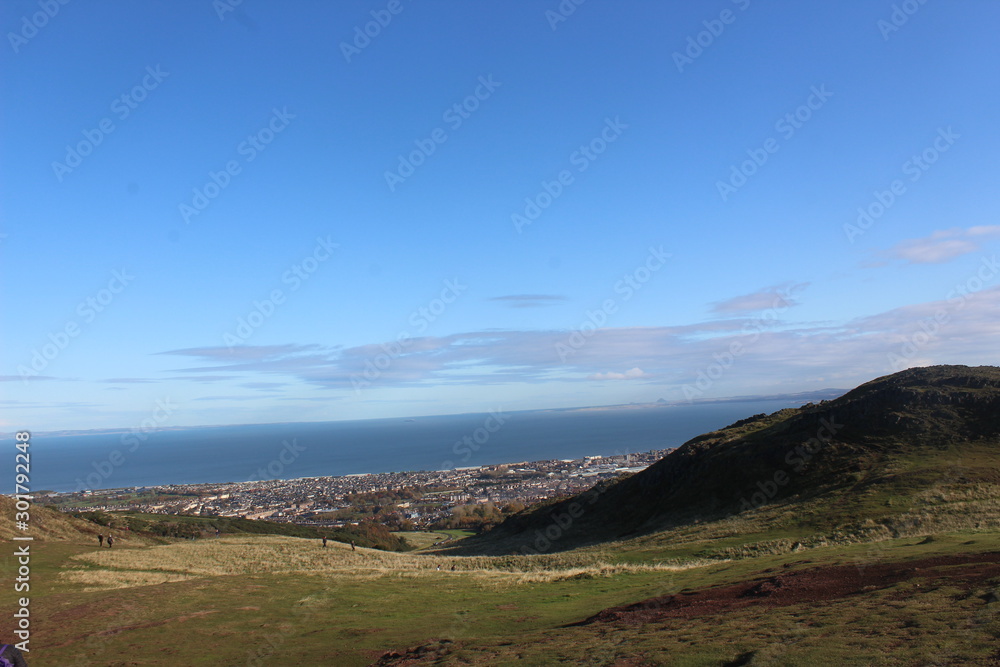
(284, 600)
(366, 534)
(50, 525)
(877, 454)
(882, 549)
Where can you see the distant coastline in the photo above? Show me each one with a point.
(804, 397)
(119, 459)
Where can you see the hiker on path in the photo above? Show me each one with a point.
(352, 546)
(216, 532)
(100, 539)
(111, 540)
(324, 541)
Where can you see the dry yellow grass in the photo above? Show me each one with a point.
(45, 524)
(235, 555)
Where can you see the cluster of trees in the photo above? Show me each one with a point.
(382, 507)
(478, 517)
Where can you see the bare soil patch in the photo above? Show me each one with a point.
(814, 584)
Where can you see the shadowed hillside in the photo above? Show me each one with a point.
(869, 453)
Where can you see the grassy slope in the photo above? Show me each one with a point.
(425, 540)
(185, 526)
(917, 622)
(338, 607)
(49, 525)
(894, 437)
(211, 602)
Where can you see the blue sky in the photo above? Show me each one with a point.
(255, 212)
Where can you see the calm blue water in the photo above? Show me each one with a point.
(241, 453)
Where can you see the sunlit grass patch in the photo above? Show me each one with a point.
(255, 555)
(109, 579)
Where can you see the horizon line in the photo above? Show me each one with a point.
(746, 398)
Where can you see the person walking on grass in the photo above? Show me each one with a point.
(352, 546)
(100, 539)
(111, 540)
(324, 541)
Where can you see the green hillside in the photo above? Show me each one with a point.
(882, 549)
(366, 534)
(874, 454)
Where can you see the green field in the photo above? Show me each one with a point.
(220, 601)
(419, 539)
(884, 551)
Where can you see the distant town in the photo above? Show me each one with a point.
(400, 500)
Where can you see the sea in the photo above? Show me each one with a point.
(116, 459)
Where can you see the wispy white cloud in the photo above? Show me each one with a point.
(769, 359)
(230, 398)
(205, 379)
(128, 380)
(631, 374)
(990, 231)
(943, 245)
(243, 353)
(529, 300)
(778, 297)
(34, 405)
